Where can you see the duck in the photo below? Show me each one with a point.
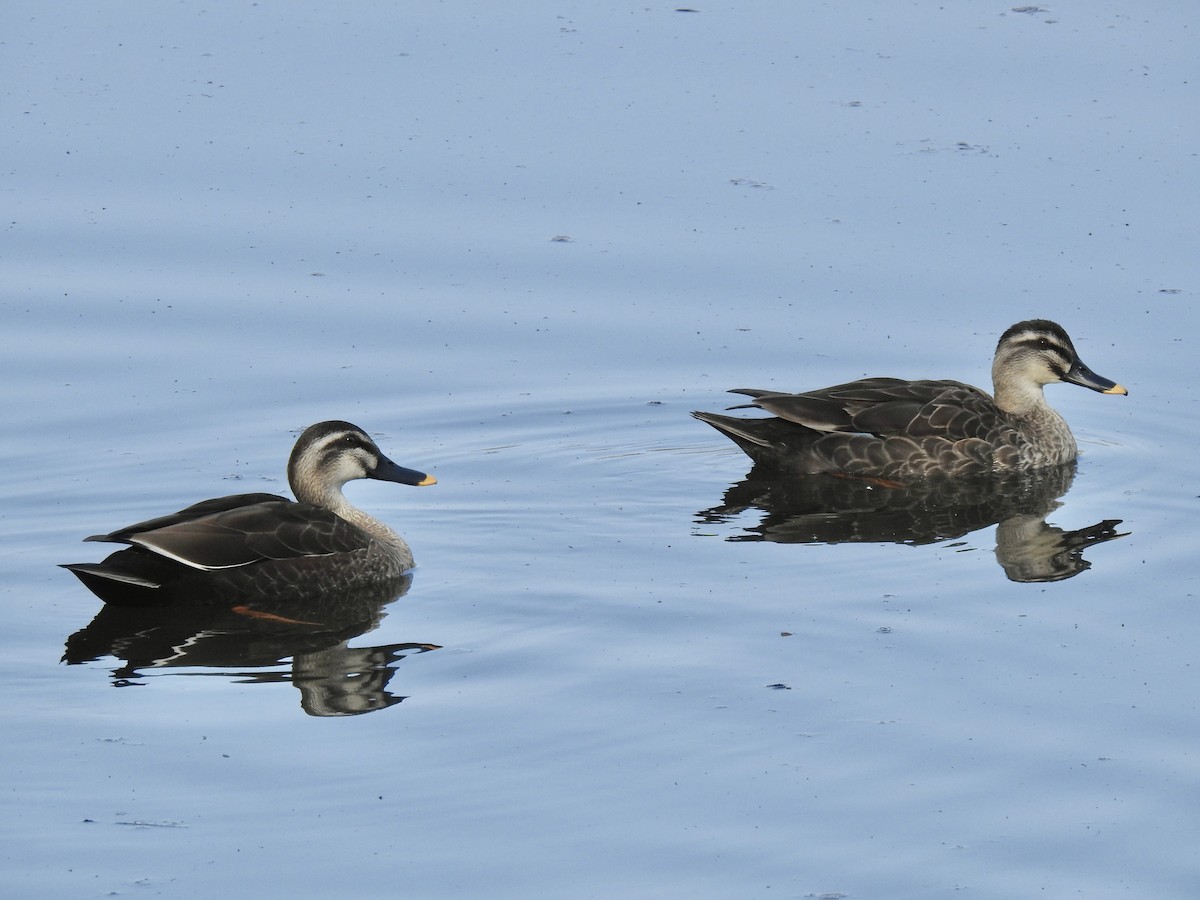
(264, 546)
(897, 429)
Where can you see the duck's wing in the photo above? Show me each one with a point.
(884, 407)
(959, 413)
(273, 529)
(188, 514)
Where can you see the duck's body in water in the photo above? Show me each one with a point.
(893, 428)
(262, 545)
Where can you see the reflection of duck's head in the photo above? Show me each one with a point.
(898, 429)
(262, 543)
(1031, 550)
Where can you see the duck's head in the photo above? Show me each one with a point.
(329, 454)
(1035, 353)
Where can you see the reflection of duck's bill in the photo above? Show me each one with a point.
(1084, 377)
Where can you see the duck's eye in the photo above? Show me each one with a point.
(1043, 344)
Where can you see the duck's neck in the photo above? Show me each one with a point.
(1019, 397)
(1024, 404)
(331, 498)
(369, 524)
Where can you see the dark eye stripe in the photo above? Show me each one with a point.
(340, 443)
(1036, 343)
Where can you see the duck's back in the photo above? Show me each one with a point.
(881, 427)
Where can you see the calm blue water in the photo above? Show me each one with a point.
(223, 225)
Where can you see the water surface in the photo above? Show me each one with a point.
(226, 224)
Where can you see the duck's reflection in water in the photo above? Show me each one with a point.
(237, 641)
(828, 509)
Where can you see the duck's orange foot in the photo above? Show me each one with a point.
(251, 613)
(872, 479)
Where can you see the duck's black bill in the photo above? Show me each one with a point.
(389, 471)
(1084, 377)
